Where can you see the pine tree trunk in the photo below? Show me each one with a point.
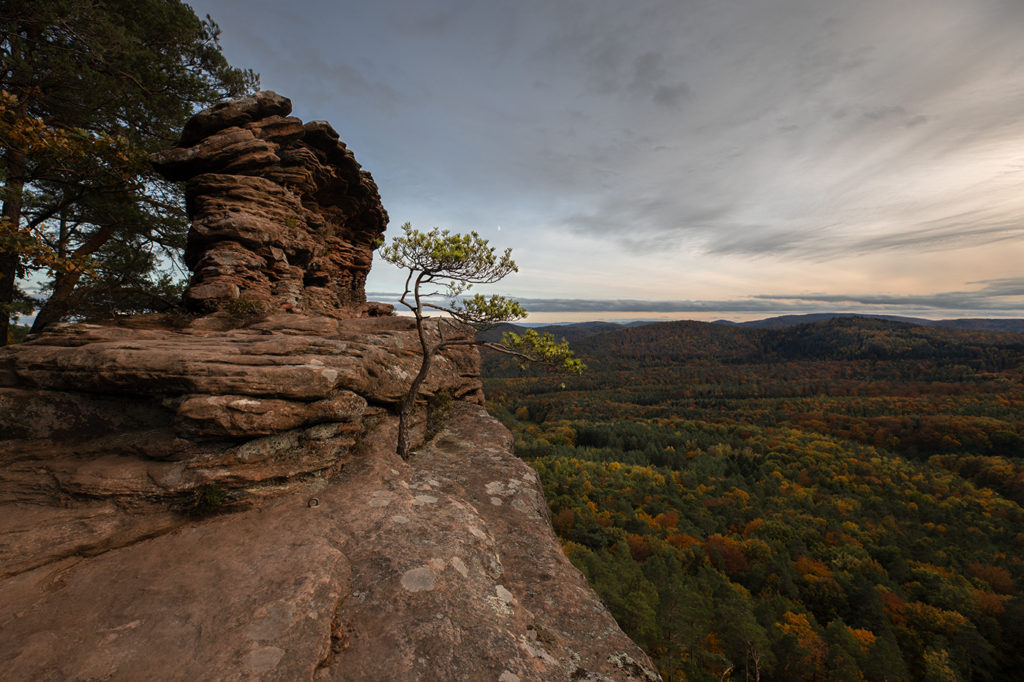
(56, 306)
(405, 414)
(64, 287)
(9, 260)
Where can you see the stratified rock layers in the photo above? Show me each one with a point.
(326, 556)
(132, 424)
(441, 569)
(283, 217)
(218, 503)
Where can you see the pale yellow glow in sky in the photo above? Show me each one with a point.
(714, 152)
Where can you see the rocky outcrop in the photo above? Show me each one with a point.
(200, 504)
(219, 497)
(124, 425)
(283, 217)
(443, 568)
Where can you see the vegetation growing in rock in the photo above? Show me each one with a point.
(206, 500)
(245, 310)
(439, 408)
(440, 263)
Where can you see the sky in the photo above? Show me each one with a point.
(696, 159)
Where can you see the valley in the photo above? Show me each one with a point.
(838, 500)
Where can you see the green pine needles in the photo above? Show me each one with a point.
(442, 264)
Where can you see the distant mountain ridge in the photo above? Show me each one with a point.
(976, 323)
(574, 332)
(569, 332)
(835, 338)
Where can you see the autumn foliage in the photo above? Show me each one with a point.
(835, 502)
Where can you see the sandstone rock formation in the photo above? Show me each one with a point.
(328, 557)
(222, 500)
(282, 214)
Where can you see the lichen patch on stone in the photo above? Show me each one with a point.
(500, 606)
(418, 579)
(460, 566)
(264, 659)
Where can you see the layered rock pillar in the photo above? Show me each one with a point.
(222, 500)
(283, 217)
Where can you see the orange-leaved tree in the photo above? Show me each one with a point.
(87, 91)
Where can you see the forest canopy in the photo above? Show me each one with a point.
(835, 501)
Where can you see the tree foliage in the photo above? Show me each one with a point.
(87, 91)
(851, 511)
(439, 263)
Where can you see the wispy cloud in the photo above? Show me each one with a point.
(1004, 295)
(997, 297)
(736, 134)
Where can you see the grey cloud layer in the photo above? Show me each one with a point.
(802, 128)
(996, 295)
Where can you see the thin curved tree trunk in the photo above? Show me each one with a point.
(405, 414)
(414, 389)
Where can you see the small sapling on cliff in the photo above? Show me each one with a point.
(441, 263)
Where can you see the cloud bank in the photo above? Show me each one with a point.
(731, 136)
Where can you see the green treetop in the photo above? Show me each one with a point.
(87, 91)
(441, 263)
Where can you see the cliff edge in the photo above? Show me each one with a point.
(219, 497)
(442, 568)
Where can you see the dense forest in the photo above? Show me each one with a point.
(833, 501)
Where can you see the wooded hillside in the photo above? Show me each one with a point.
(833, 501)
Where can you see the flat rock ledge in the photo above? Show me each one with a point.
(442, 568)
(111, 433)
(224, 503)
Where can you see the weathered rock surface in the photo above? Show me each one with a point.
(443, 568)
(223, 501)
(283, 217)
(109, 427)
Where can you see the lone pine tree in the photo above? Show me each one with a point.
(439, 262)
